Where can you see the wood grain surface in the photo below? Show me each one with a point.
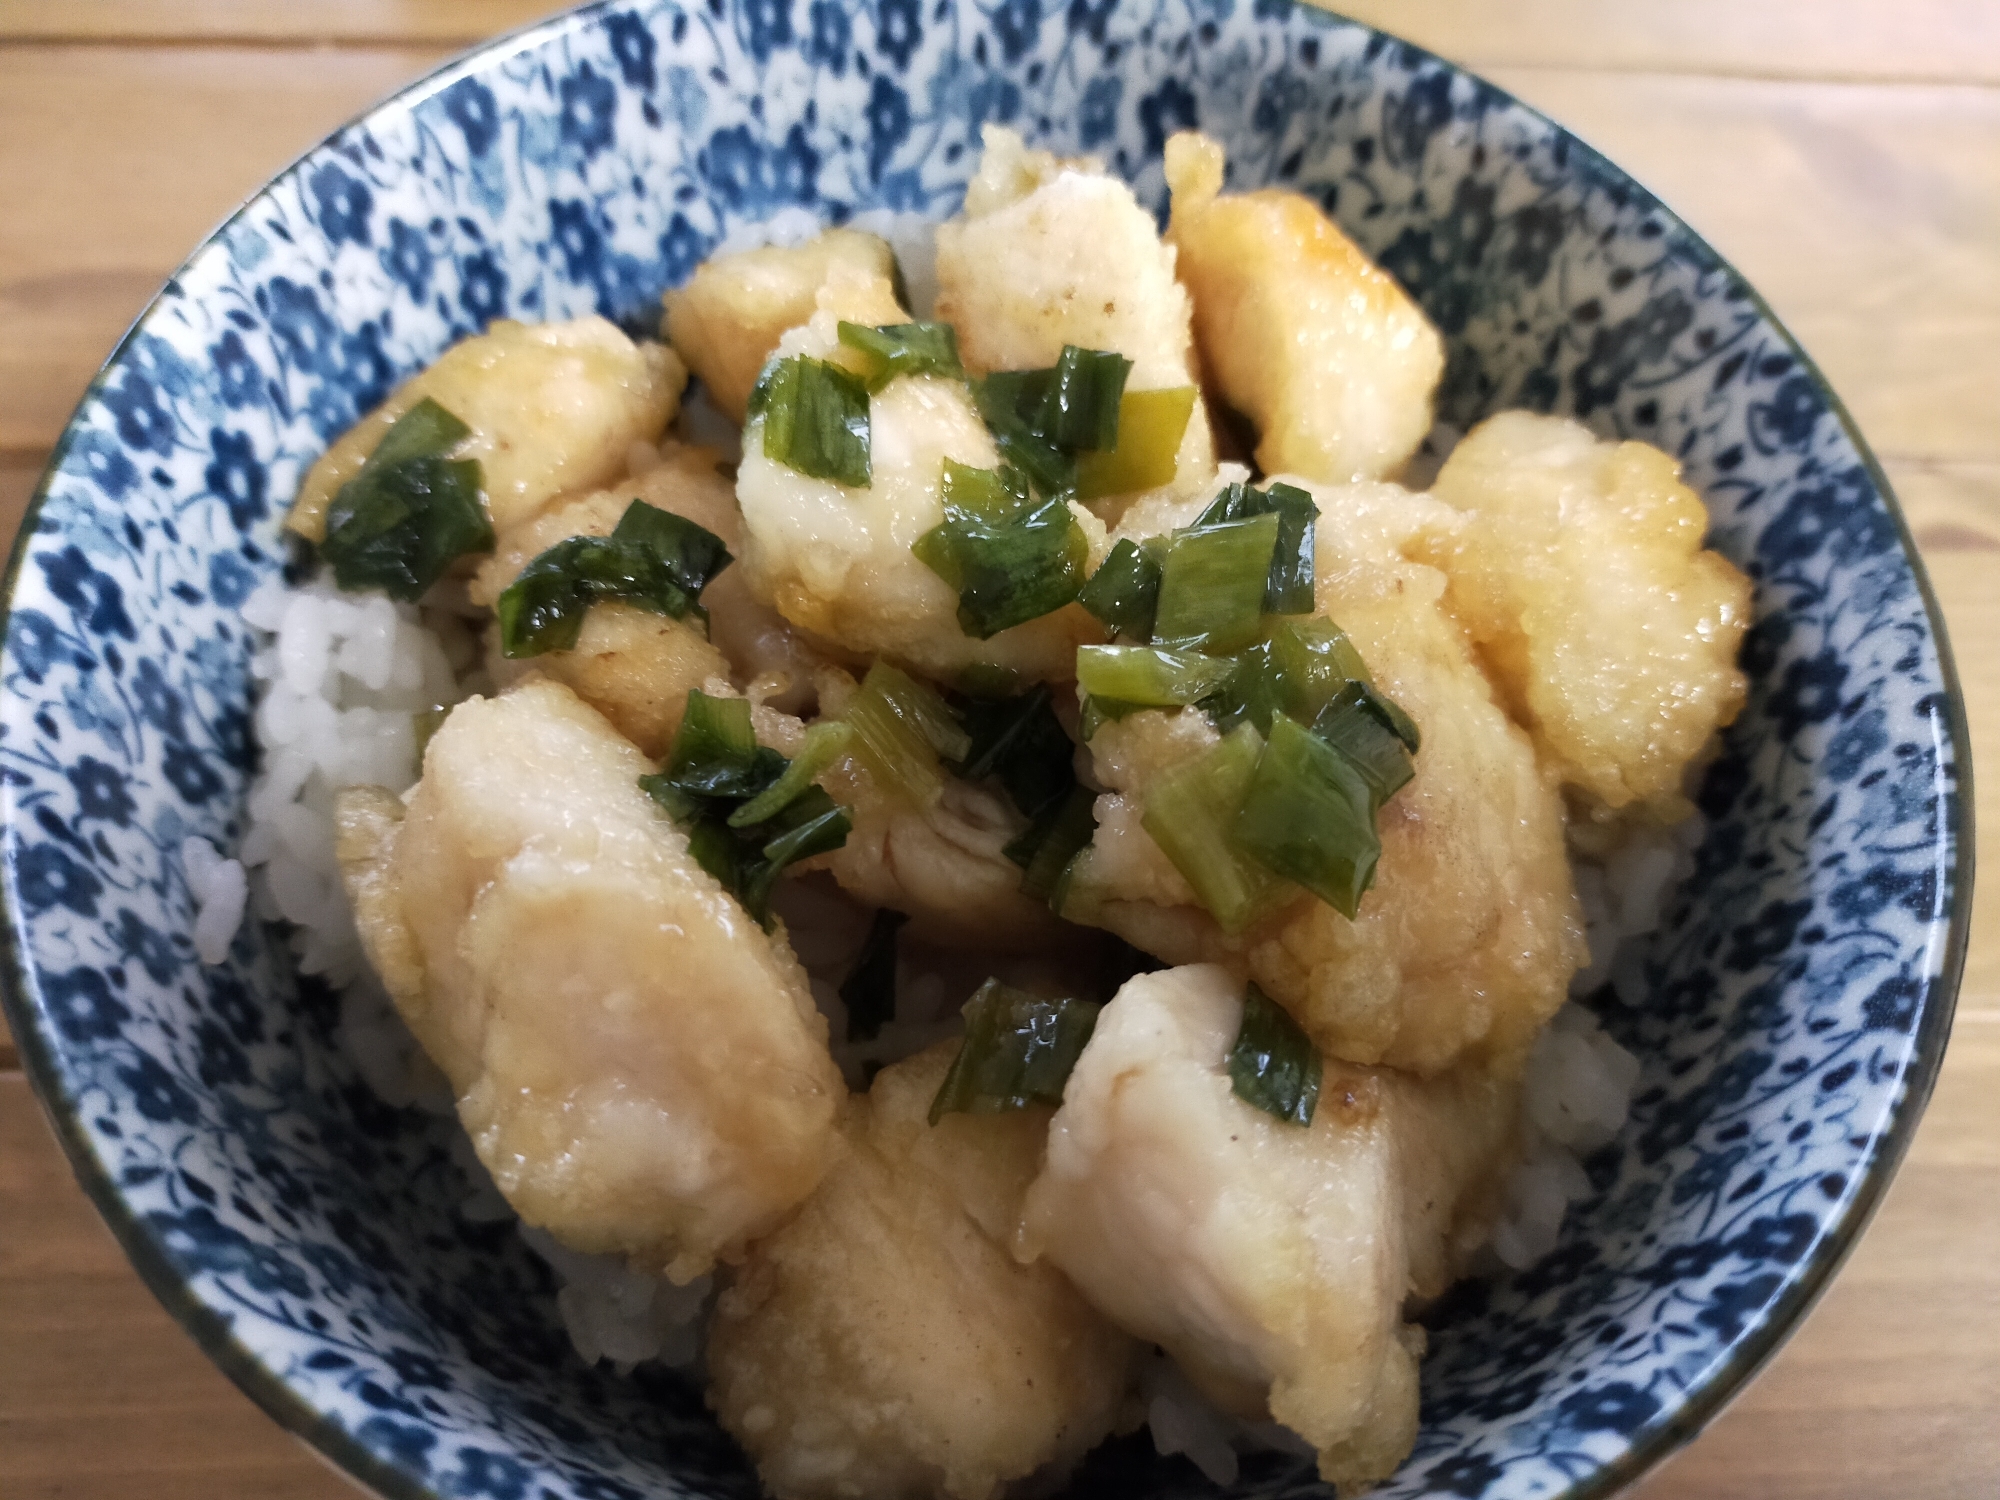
(1845, 154)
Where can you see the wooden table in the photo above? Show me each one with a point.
(1844, 153)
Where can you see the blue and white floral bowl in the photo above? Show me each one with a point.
(308, 1235)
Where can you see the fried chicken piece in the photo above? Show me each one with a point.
(1580, 573)
(728, 318)
(1466, 943)
(1300, 331)
(640, 1067)
(1271, 1260)
(553, 408)
(886, 1343)
(835, 560)
(1051, 252)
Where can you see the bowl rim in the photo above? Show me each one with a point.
(1721, 1384)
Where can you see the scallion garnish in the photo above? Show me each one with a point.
(1011, 402)
(1273, 1064)
(1052, 841)
(901, 727)
(1021, 742)
(1191, 813)
(1019, 1050)
(1308, 815)
(869, 990)
(904, 349)
(1295, 668)
(689, 551)
(716, 769)
(1011, 558)
(1151, 425)
(824, 744)
(1356, 722)
(1150, 676)
(1097, 712)
(1212, 585)
(410, 513)
(815, 419)
(1288, 587)
(1043, 419)
(1080, 411)
(1124, 592)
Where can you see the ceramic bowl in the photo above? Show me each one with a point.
(1797, 997)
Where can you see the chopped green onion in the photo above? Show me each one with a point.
(653, 560)
(810, 825)
(1011, 403)
(1308, 815)
(1097, 712)
(1021, 742)
(1191, 812)
(1288, 587)
(904, 349)
(815, 419)
(1011, 560)
(824, 744)
(1149, 675)
(715, 754)
(410, 513)
(1273, 1064)
(1151, 425)
(1212, 585)
(869, 990)
(1125, 590)
(1052, 841)
(1018, 1051)
(1393, 718)
(1080, 411)
(1354, 724)
(1294, 669)
(901, 727)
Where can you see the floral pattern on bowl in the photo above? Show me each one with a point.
(1799, 992)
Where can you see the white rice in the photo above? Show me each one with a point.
(220, 890)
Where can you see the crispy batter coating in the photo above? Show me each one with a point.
(1300, 331)
(885, 1343)
(836, 560)
(553, 407)
(1467, 941)
(639, 1066)
(1580, 573)
(1270, 1260)
(1051, 252)
(726, 321)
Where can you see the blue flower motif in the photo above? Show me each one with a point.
(220, 1060)
(81, 1004)
(100, 791)
(95, 598)
(402, 1443)
(1767, 935)
(832, 35)
(35, 643)
(207, 1244)
(187, 772)
(344, 205)
(408, 258)
(235, 1006)
(578, 239)
(1412, 118)
(1091, 17)
(149, 948)
(1893, 1005)
(1787, 420)
(1534, 235)
(899, 30)
(157, 1094)
(1280, 97)
(1617, 1407)
(104, 459)
(589, 108)
(142, 421)
(302, 326)
(1809, 692)
(236, 477)
(1785, 1237)
(1018, 24)
(495, 1476)
(1617, 352)
(230, 579)
(633, 45)
(1843, 512)
(1859, 741)
(469, 105)
(682, 248)
(756, 179)
(888, 123)
(766, 26)
(482, 287)
(159, 701)
(1733, 1304)
(1168, 108)
(238, 379)
(1097, 116)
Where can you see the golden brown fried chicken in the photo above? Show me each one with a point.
(639, 1066)
(1299, 331)
(886, 1343)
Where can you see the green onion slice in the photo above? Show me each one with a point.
(901, 727)
(1152, 676)
(1124, 592)
(869, 990)
(1288, 587)
(689, 551)
(1010, 558)
(1273, 1064)
(410, 513)
(1212, 585)
(1011, 402)
(715, 754)
(1151, 425)
(815, 419)
(1081, 408)
(1054, 839)
(1097, 712)
(1019, 1050)
(1355, 723)
(1308, 816)
(824, 744)
(1191, 813)
(894, 349)
(1294, 668)
(1022, 743)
